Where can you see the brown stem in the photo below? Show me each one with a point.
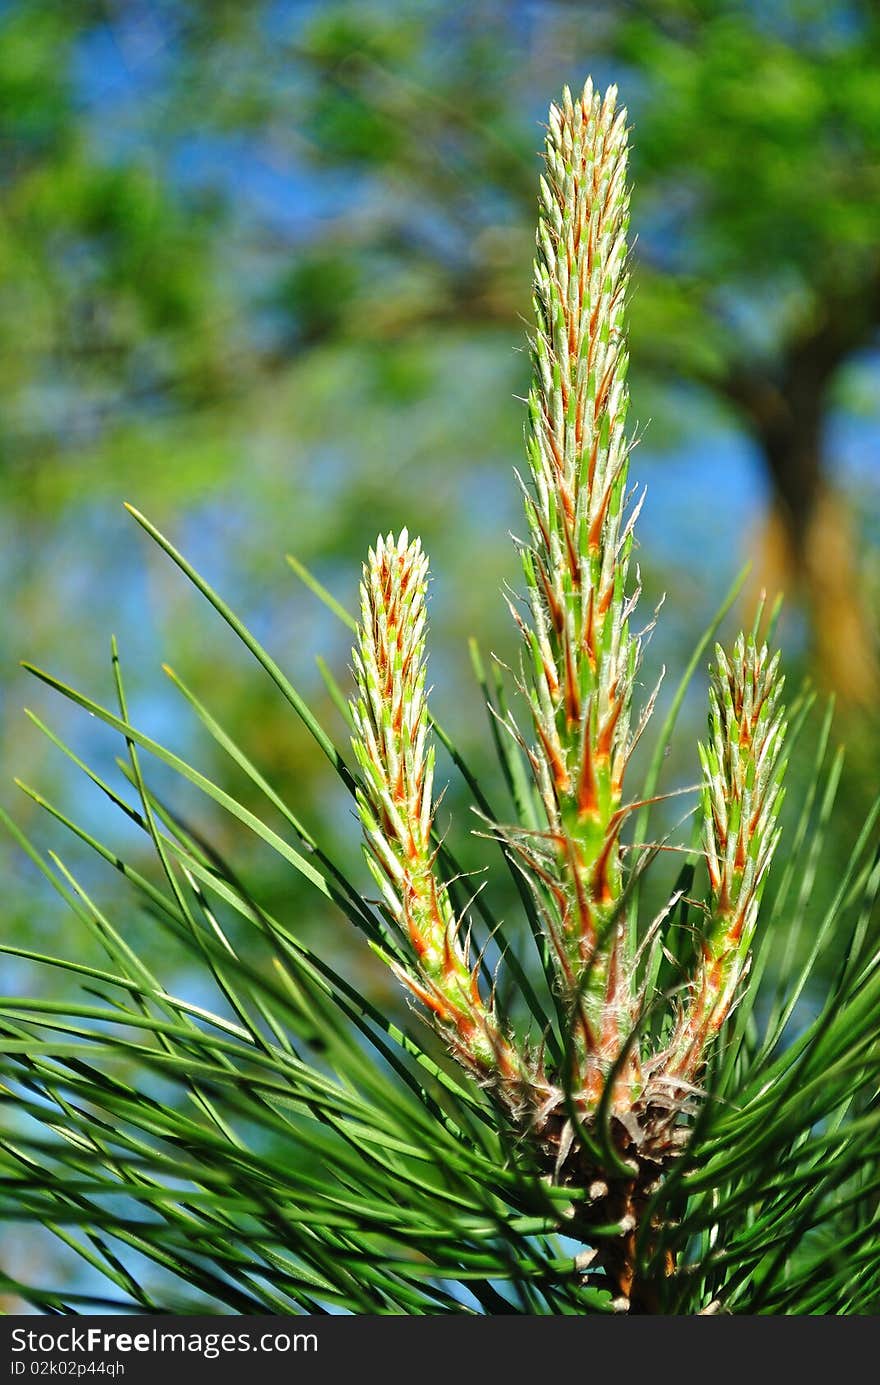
(644, 1294)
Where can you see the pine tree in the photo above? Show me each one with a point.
(636, 1133)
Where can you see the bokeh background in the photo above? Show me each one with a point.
(265, 271)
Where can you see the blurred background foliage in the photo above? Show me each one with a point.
(265, 272)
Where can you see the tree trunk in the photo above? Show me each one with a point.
(808, 549)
